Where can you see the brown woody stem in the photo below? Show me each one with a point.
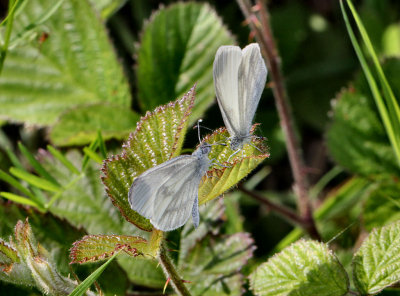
(260, 25)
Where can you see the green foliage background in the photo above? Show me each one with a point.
(80, 74)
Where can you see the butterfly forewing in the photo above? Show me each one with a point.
(225, 70)
(252, 78)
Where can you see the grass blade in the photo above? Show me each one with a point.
(102, 145)
(92, 155)
(21, 200)
(82, 287)
(93, 146)
(34, 180)
(391, 124)
(36, 164)
(57, 154)
(14, 183)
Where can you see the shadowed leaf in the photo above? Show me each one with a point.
(177, 48)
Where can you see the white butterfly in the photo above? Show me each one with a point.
(239, 80)
(168, 193)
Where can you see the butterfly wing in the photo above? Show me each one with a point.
(225, 71)
(252, 77)
(165, 193)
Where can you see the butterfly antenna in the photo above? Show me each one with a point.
(198, 128)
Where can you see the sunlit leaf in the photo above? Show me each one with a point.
(376, 265)
(79, 126)
(304, 268)
(75, 66)
(218, 180)
(177, 49)
(158, 137)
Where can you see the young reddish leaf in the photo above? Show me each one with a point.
(158, 137)
(94, 248)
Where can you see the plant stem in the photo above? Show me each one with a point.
(262, 29)
(282, 210)
(171, 272)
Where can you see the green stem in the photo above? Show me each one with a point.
(171, 272)
(10, 21)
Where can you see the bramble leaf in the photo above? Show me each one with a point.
(158, 137)
(357, 140)
(92, 248)
(217, 181)
(177, 48)
(79, 126)
(376, 265)
(211, 261)
(382, 205)
(34, 266)
(74, 66)
(304, 268)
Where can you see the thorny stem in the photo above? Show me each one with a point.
(171, 272)
(263, 33)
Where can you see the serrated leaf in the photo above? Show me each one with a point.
(177, 49)
(357, 140)
(158, 137)
(83, 201)
(304, 268)
(76, 65)
(217, 181)
(92, 248)
(8, 254)
(36, 266)
(79, 126)
(376, 265)
(382, 205)
(213, 265)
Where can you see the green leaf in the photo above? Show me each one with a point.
(36, 164)
(21, 200)
(376, 265)
(217, 181)
(14, 183)
(79, 126)
(7, 253)
(304, 268)
(35, 180)
(382, 205)
(57, 154)
(36, 266)
(177, 49)
(85, 285)
(92, 248)
(357, 140)
(158, 137)
(213, 265)
(75, 66)
(387, 104)
(82, 200)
